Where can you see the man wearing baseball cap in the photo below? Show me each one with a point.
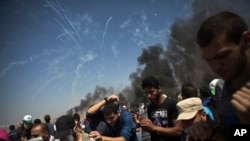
(24, 133)
(191, 111)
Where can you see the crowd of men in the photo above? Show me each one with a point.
(204, 113)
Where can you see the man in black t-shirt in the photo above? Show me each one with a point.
(162, 113)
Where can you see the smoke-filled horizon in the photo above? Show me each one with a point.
(175, 63)
(58, 56)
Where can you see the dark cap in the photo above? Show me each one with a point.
(63, 126)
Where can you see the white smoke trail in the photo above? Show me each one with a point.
(18, 63)
(70, 29)
(105, 31)
(76, 80)
(47, 83)
(141, 33)
(71, 36)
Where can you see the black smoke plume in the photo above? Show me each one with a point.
(177, 62)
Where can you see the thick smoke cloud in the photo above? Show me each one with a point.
(177, 62)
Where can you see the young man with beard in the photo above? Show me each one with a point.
(162, 113)
(224, 42)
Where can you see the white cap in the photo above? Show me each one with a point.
(27, 119)
(212, 85)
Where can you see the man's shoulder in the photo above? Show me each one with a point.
(170, 100)
(12, 132)
(49, 124)
(125, 113)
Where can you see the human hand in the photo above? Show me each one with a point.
(241, 101)
(79, 136)
(147, 125)
(24, 139)
(95, 135)
(77, 129)
(113, 98)
(136, 118)
(199, 130)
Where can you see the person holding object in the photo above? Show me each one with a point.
(118, 124)
(162, 113)
(224, 42)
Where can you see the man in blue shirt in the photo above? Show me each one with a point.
(117, 123)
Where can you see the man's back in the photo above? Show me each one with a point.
(12, 135)
(50, 125)
(51, 129)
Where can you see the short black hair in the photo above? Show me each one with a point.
(150, 81)
(12, 127)
(204, 91)
(37, 121)
(110, 108)
(223, 22)
(76, 117)
(47, 118)
(188, 90)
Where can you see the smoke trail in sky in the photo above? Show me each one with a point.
(179, 61)
(182, 62)
(69, 28)
(105, 31)
(47, 83)
(18, 63)
(77, 79)
(73, 36)
(141, 33)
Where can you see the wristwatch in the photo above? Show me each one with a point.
(106, 99)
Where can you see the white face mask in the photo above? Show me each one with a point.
(37, 139)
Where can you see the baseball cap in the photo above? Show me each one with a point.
(3, 135)
(188, 108)
(63, 125)
(212, 85)
(208, 112)
(27, 119)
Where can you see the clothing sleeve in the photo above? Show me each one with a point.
(174, 111)
(127, 125)
(94, 121)
(97, 116)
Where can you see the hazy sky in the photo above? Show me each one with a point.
(54, 52)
